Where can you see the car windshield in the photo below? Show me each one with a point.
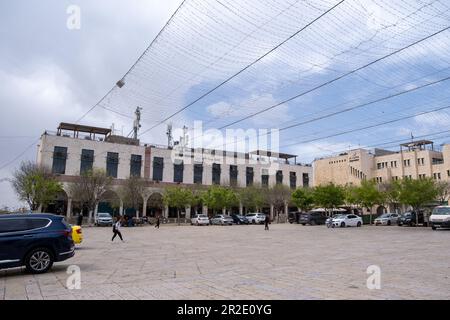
(104, 215)
(202, 216)
(442, 211)
(407, 214)
(339, 216)
(385, 216)
(251, 215)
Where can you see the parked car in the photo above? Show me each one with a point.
(440, 217)
(387, 219)
(346, 220)
(312, 218)
(35, 241)
(409, 219)
(222, 220)
(256, 218)
(103, 219)
(294, 216)
(200, 220)
(77, 234)
(238, 219)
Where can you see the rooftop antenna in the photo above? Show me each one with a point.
(169, 135)
(137, 122)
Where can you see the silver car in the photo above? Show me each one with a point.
(256, 218)
(387, 219)
(222, 219)
(200, 219)
(103, 219)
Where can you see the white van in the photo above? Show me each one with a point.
(440, 217)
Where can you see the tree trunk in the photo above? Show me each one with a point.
(90, 216)
(417, 216)
(178, 216)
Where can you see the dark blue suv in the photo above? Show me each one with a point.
(34, 241)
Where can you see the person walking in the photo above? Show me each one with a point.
(116, 229)
(80, 219)
(158, 221)
(267, 221)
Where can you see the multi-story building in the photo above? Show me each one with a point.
(74, 149)
(414, 160)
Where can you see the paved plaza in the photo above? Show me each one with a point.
(246, 262)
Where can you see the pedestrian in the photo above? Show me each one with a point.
(157, 222)
(80, 219)
(267, 221)
(116, 229)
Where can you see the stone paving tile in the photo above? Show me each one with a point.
(244, 262)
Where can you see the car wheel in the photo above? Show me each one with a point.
(253, 222)
(359, 224)
(389, 222)
(433, 228)
(343, 225)
(39, 260)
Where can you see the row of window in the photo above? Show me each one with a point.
(337, 161)
(436, 176)
(112, 164)
(87, 162)
(407, 163)
(178, 171)
(357, 173)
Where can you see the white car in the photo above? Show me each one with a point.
(103, 219)
(222, 220)
(346, 220)
(387, 219)
(200, 220)
(440, 217)
(256, 218)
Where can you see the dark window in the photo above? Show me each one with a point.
(305, 180)
(13, 225)
(233, 175)
(38, 223)
(158, 168)
(216, 173)
(87, 160)
(59, 160)
(135, 165)
(198, 173)
(279, 177)
(265, 180)
(112, 163)
(293, 180)
(178, 170)
(249, 176)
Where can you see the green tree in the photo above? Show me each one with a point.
(442, 190)
(391, 193)
(179, 198)
(219, 198)
(252, 198)
(279, 196)
(35, 185)
(90, 189)
(368, 195)
(132, 192)
(303, 198)
(329, 196)
(350, 195)
(416, 193)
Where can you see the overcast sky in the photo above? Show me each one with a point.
(50, 74)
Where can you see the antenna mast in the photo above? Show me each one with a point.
(137, 122)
